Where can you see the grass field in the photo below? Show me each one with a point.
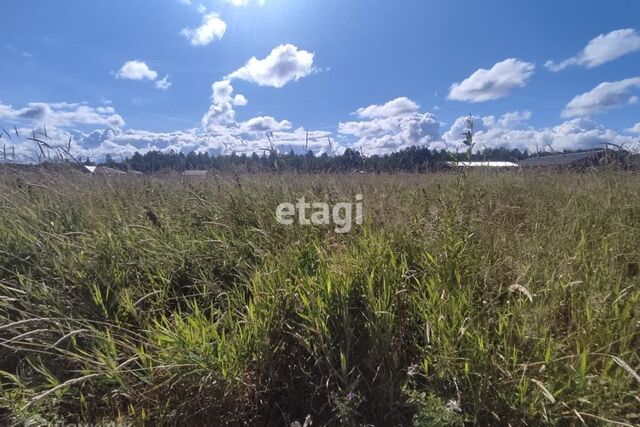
(487, 299)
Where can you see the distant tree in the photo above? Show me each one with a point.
(412, 159)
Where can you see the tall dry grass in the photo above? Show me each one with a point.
(488, 299)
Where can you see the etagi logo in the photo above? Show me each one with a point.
(342, 214)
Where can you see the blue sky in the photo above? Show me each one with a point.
(124, 76)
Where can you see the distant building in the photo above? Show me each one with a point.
(572, 160)
(103, 170)
(461, 165)
(197, 173)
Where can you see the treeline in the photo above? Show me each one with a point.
(414, 159)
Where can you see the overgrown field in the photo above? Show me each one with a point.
(487, 299)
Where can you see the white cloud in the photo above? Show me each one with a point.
(241, 138)
(139, 70)
(221, 111)
(211, 29)
(391, 127)
(377, 129)
(605, 96)
(264, 124)
(62, 114)
(376, 136)
(635, 129)
(284, 64)
(240, 100)
(492, 132)
(248, 136)
(220, 133)
(509, 131)
(514, 119)
(164, 83)
(602, 49)
(222, 140)
(397, 107)
(136, 70)
(498, 82)
(385, 133)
